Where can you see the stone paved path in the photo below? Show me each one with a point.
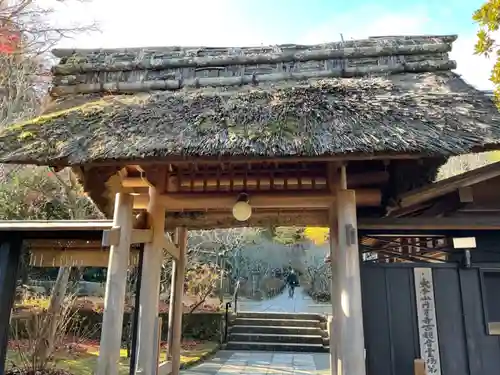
(300, 303)
(270, 363)
(262, 363)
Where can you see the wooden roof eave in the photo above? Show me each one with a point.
(424, 195)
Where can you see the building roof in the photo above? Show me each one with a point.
(373, 96)
(441, 188)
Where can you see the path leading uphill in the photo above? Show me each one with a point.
(228, 362)
(300, 303)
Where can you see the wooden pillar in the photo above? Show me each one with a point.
(114, 300)
(335, 327)
(150, 287)
(175, 312)
(10, 256)
(352, 341)
(347, 327)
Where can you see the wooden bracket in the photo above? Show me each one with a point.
(111, 237)
(155, 176)
(171, 247)
(466, 194)
(350, 234)
(419, 367)
(142, 236)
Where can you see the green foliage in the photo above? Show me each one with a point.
(318, 235)
(287, 235)
(199, 326)
(37, 193)
(488, 19)
(40, 194)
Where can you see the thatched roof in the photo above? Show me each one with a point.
(373, 96)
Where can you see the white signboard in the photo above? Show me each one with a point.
(427, 324)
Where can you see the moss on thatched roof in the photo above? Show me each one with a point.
(305, 101)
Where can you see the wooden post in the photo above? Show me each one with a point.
(419, 367)
(10, 256)
(334, 327)
(114, 300)
(159, 326)
(348, 314)
(175, 312)
(352, 341)
(333, 351)
(171, 309)
(150, 285)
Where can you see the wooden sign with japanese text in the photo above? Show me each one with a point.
(427, 324)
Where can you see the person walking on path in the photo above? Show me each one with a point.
(292, 281)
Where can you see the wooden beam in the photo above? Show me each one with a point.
(265, 181)
(62, 244)
(75, 258)
(211, 220)
(111, 237)
(319, 218)
(96, 248)
(443, 206)
(408, 256)
(135, 182)
(54, 225)
(199, 202)
(218, 219)
(171, 247)
(183, 160)
(466, 194)
(424, 223)
(481, 209)
(407, 211)
(142, 236)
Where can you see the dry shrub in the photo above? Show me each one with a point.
(272, 286)
(30, 337)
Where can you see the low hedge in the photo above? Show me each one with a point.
(87, 323)
(319, 296)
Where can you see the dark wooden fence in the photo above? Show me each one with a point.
(467, 307)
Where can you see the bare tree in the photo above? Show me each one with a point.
(219, 249)
(27, 33)
(79, 206)
(318, 273)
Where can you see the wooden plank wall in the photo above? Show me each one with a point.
(390, 321)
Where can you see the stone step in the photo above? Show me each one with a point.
(276, 347)
(278, 330)
(281, 315)
(277, 322)
(269, 337)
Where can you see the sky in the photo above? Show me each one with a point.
(264, 22)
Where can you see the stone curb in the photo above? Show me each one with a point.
(203, 358)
